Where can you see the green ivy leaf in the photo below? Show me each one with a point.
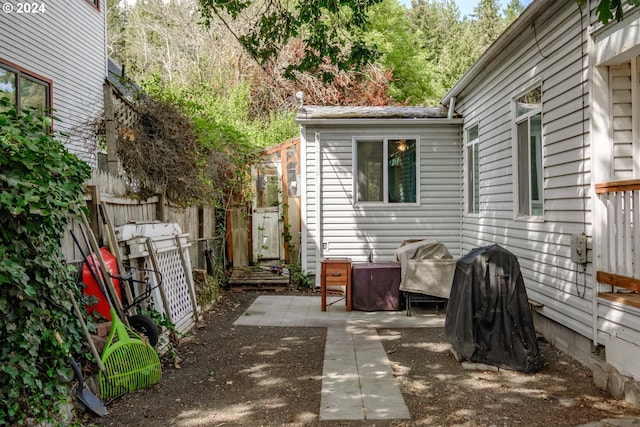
(40, 189)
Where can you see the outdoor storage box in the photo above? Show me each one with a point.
(375, 286)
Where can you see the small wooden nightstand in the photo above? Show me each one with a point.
(336, 272)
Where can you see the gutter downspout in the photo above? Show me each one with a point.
(452, 107)
(319, 233)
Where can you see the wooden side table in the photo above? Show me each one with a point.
(336, 272)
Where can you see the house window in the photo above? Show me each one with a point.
(25, 91)
(528, 125)
(96, 3)
(473, 170)
(386, 171)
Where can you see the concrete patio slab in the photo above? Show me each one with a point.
(357, 379)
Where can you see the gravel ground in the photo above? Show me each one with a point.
(263, 376)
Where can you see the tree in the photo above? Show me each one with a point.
(486, 23)
(330, 31)
(116, 23)
(400, 52)
(512, 11)
(458, 56)
(435, 22)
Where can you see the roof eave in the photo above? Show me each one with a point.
(376, 121)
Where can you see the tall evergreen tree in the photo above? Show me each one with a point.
(435, 22)
(512, 11)
(486, 23)
(401, 52)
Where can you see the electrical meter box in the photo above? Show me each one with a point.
(579, 248)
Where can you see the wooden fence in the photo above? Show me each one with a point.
(122, 208)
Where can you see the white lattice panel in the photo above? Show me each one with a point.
(175, 285)
(162, 239)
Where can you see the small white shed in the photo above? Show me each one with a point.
(373, 177)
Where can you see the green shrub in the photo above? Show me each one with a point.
(41, 184)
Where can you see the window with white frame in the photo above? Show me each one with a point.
(385, 170)
(528, 149)
(473, 170)
(24, 90)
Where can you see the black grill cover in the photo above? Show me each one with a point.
(488, 316)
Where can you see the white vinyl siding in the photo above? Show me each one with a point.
(66, 45)
(621, 120)
(352, 230)
(542, 248)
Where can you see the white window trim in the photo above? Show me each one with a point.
(385, 162)
(469, 166)
(514, 138)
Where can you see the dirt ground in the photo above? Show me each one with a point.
(264, 376)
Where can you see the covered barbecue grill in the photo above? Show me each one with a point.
(427, 271)
(488, 317)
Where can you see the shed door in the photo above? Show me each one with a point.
(267, 233)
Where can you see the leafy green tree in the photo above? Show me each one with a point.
(457, 57)
(486, 23)
(512, 11)
(400, 52)
(330, 31)
(117, 14)
(435, 22)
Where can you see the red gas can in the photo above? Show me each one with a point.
(92, 288)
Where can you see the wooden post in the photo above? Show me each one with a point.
(92, 205)
(161, 210)
(110, 130)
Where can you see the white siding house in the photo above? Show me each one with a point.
(551, 127)
(406, 184)
(544, 160)
(60, 47)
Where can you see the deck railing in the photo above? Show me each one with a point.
(619, 262)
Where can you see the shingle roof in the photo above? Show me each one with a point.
(122, 83)
(307, 112)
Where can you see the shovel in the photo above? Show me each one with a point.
(83, 393)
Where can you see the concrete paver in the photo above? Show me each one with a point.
(357, 379)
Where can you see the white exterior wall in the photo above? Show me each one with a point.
(353, 231)
(590, 92)
(559, 63)
(616, 104)
(67, 45)
(622, 124)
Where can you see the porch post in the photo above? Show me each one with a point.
(600, 160)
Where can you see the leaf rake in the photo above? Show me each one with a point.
(130, 362)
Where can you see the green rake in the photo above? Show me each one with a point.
(130, 363)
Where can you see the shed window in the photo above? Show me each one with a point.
(385, 171)
(473, 170)
(24, 90)
(528, 148)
